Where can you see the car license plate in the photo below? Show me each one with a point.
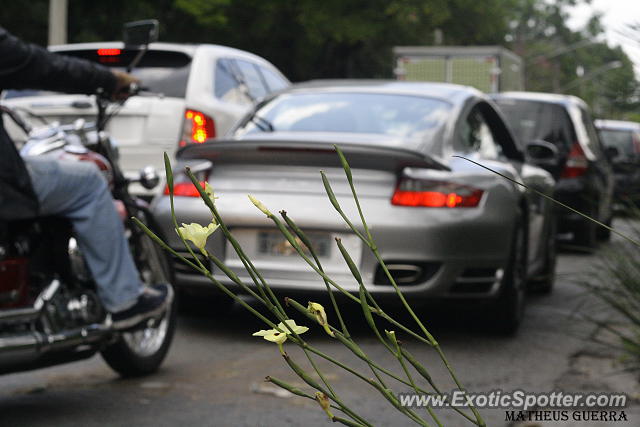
(270, 250)
(275, 244)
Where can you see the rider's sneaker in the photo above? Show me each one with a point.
(151, 303)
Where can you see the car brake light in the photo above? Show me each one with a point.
(577, 163)
(636, 143)
(435, 194)
(197, 128)
(108, 52)
(184, 189)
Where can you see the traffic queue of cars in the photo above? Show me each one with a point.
(446, 227)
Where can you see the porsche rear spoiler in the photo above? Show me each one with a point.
(303, 153)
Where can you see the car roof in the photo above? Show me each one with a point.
(617, 125)
(551, 98)
(451, 93)
(189, 49)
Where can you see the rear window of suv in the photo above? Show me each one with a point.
(620, 139)
(532, 120)
(160, 71)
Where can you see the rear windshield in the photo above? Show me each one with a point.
(160, 71)
(531, 120)
(622, 140)
(393, 115)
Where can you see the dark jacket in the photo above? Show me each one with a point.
(26, 66)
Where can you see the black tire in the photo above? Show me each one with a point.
(586, 235)
(543, 282)
(142, 351)
(604, 235)
(508, 310)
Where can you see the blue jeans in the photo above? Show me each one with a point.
(78, 191)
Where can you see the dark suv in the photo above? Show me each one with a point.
(622, 142)
(583, 172)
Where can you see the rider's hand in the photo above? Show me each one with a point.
(123, 81)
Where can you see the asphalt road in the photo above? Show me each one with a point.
(213, 374)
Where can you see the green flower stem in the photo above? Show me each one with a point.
(376, 253)
(169, 172)
(369, 318)
(419, 368)
(298, 392)
(311, 382)
(202, 268)
(235, 279)
(400, 358)
(540, 193)
(347, 171)
(336, 205)
(300, 252)
(166, 247)
(288, 387)
(260, 284)
(205, 272)
(322, 377)
(303, 237)
(385, 392)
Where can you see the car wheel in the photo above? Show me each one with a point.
(543, 283)
(586, 235)
(604, 235)
(508, 310)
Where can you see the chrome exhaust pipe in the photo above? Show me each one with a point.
(27, 347)
(30, 314)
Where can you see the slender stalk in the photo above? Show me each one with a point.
(259, 282)
(374, 250)
(312, 251)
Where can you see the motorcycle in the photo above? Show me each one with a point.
(50, 312)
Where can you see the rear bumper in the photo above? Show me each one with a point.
(578, 195)
(462, 253)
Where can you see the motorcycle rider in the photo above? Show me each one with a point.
(75, 190)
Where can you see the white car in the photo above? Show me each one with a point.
(206, 89)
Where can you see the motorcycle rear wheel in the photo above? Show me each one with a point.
(142, 351)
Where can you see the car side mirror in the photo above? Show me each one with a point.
(611, 153)
(138, 34)
(542, 153)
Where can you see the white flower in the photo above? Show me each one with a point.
(321, 316)
(259, 205)
(279, 337)
(209, 191)
(197, 234)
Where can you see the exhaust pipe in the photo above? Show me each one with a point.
(26, 348)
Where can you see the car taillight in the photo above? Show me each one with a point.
(636, 143)
(109, 52)
(184, 189)
(435, 194)
(577, 163)
(197, 128)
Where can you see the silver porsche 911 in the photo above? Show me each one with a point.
(446, 227)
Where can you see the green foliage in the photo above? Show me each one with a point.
(615, 285)
(553, 54)
(308, 39)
